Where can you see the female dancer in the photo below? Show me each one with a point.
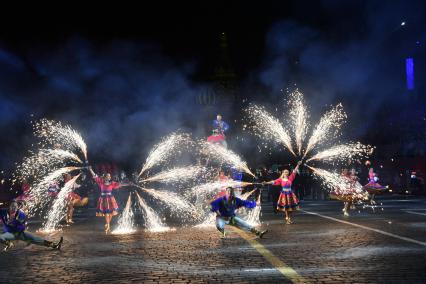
(74, 200)
(344, 193)
(287, 201)
(373, 187)
(107, 206)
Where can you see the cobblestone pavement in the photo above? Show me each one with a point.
(320, 250)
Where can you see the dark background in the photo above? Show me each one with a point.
(124, 76)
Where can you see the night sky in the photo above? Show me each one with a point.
(125, 76)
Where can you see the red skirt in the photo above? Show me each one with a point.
(341, 197)
(287, 201)
(374, 188)
(216, 138)
(107, 205)
(76, 200)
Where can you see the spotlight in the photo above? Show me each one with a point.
(402, 23)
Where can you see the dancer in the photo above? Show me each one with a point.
(219, 129)
(345, 193)
(74, 200)
(222, 178)
(53, 189)
(107, 206)
(287, 201)
(14, 224)
(225, 207)
(373, 187)
(25, 196)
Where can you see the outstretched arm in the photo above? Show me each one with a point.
(245, 203)
(92, 172)
(297, 167)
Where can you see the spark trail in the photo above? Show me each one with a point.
(164, 150)
(329, 124)
(153, 222)
(54, 133)
(299, 117)
(343, 153)
(268, 127)
(339, 184)
(174, 175)
(39, 196)
(126, 220)
(58, 210)
(224, 155)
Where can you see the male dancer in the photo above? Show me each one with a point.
(225, 207)
(14, 223)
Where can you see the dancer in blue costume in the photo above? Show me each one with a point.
(225, 207)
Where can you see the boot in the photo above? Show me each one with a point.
(58, 244)
(261, 233)
(53, 245)
(258, 233)
(7, 245)
(223, 233)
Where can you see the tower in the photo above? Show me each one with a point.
(222, 87)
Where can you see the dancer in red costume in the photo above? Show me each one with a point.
(107, 206)
(373, 187)
(74, 200)
(287, 201)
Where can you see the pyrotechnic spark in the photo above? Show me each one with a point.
(58, 135)
(343, 153)
(340, 185)
(126, 220)
(42, 162)
(39, 195)
(181, 174)
(176, 204)
(153, 222)
(299, 118)
(213, 187)
(58, 211)
(209, 221)
(267, 126)
(253, 217)
(247, 194)
(162, 152)
(225, 156)
(329, 124)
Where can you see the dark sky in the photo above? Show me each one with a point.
(127, 75)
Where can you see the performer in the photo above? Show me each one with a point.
(344, 194)
(225, 207)
(74, 200)
(14, 224)
(220, 125)
(287, 201)
(373, 187)
(222, 178)
(107, 206)
(53, 189)
(25, 196)
(219, 129)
